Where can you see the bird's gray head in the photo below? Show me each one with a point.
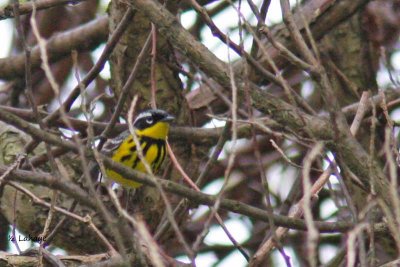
(150, 117)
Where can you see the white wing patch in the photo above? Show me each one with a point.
(112, 144)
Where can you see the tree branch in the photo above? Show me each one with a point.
(26, 8)
(82, 38)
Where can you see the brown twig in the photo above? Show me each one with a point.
(312, 233)
(215, 214)
(156, 182)
(181, 207)
(225, 39)
(123, 96)
(153, 73)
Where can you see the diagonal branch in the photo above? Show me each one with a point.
(26, 8)
(351, 151)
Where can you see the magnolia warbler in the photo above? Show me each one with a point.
(151, 128)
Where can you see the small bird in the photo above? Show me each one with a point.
(151, 127)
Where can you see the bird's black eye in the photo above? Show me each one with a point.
(149, 120)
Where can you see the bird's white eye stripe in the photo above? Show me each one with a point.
(143, 115)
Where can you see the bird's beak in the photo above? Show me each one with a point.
(168, 118)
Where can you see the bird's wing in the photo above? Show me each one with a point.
(112, 144)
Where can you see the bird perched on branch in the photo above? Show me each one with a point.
(151, 127)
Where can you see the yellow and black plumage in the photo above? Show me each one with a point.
(151, 128)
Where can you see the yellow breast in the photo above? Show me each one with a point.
(152, 142)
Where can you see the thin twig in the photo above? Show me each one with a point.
(26, 8)
(69, 214)
(124, 92)
(193, 185)
(140, 230)
(297, 210)
(153, 73)
(95, 70)
(312, 233)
